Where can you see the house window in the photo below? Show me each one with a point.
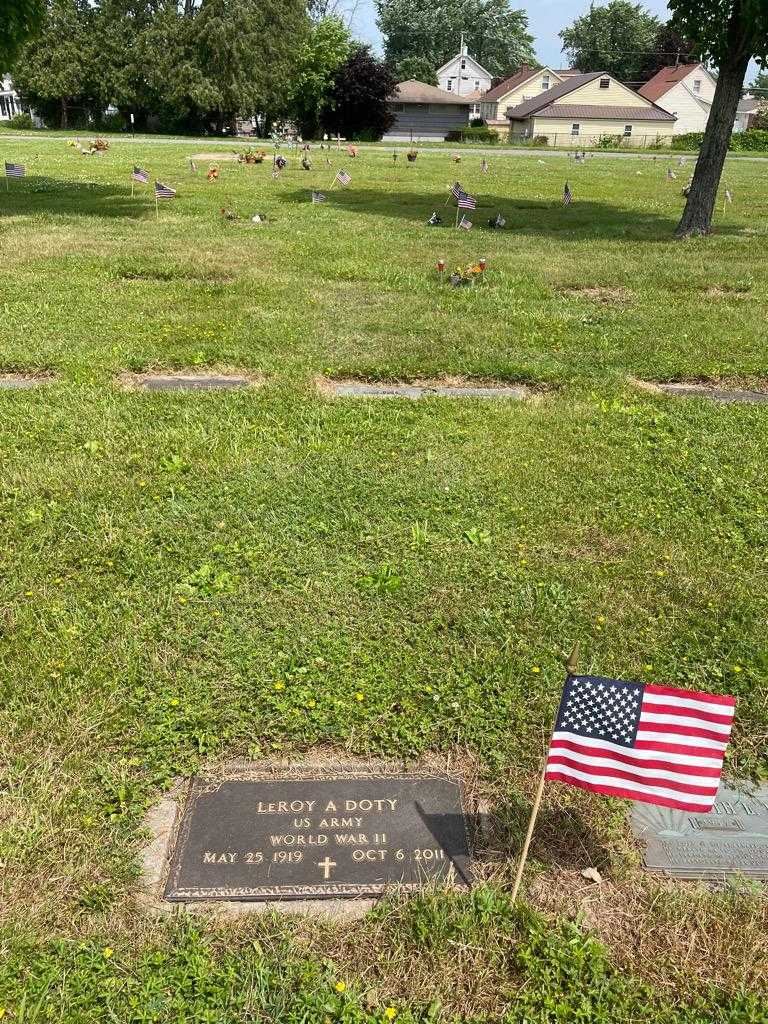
(697, 85)
(575, 129)
(544, 82)
(605, 83)
(463, 64)
(627, 130)
(449, 85)
(477, 83)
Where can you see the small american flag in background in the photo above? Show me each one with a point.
(138, 175)
(467, 202)
(457, 191)
(464, 223)
(655, 744)
(567, 195)
(164, 191)
(15, 170)
(318, 197)
(343, 178)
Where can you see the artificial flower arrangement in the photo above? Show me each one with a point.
(411, 155)
(252, 156)
(465, 277)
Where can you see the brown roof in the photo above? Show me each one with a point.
(525, 72)
(587, 112)
(536, 103)
(663, 81)
(419, 92)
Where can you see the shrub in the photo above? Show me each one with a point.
(477, 122)
(754, 139)
(22, 122)
(608, 142)
(113, 122)
(692, 140)
(469, 134)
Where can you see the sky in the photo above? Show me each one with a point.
(545, 19)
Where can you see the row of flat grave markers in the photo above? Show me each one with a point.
(342, 833)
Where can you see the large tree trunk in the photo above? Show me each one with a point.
(697, 216)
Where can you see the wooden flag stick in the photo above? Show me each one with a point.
(157, 207)
(570, 667)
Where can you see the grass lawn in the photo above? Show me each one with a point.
(190, 578)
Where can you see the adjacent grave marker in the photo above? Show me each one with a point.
(186, 381)
(20, 381)
(323, 837)
(709, 391)
(420, 389)
(732, 839)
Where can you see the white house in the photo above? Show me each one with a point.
(9, 99)
(464, 76)
(686, 91)
(749, 107)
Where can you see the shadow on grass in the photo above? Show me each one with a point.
(582, 219)
(561, 839)
(36, 194)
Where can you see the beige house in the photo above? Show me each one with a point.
(582, 109)
(525, 84)
(686, 91)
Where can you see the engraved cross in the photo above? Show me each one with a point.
(326, 866)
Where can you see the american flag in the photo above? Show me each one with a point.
(464, 223)
(138, 175)
(655, 744)
(164, 191)
(343, 178)
(457, 191)
(567, 195)
(15, 170)
(467, 202)
(318, 197)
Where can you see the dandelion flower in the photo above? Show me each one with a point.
(359, 696)
(340, 986)
(390, 1013)
(535, 669)
(279, 685)
(107, 952)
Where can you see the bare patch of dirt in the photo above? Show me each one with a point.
(727, 291)
(190, 380)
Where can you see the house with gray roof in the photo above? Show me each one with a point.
(424, 113)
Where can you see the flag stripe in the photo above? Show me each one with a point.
(683, 721)
(657, 778)
(682, 730)
(630, 794)
(661, 744)
(607, 779)
(707, 698)
(604, 748)
(706, 712)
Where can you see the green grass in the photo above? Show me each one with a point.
(190, 578)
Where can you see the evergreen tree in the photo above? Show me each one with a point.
(20, 20)
(54, 71)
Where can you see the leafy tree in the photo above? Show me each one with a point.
(669, 47)
(730, 33)
(418, 68)
(120, 28)
(760, 83)
(496, 34)
(54, 70)
(325, 49)
(615, 38)
(19, 20)
(360, 90)
(247, 50)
